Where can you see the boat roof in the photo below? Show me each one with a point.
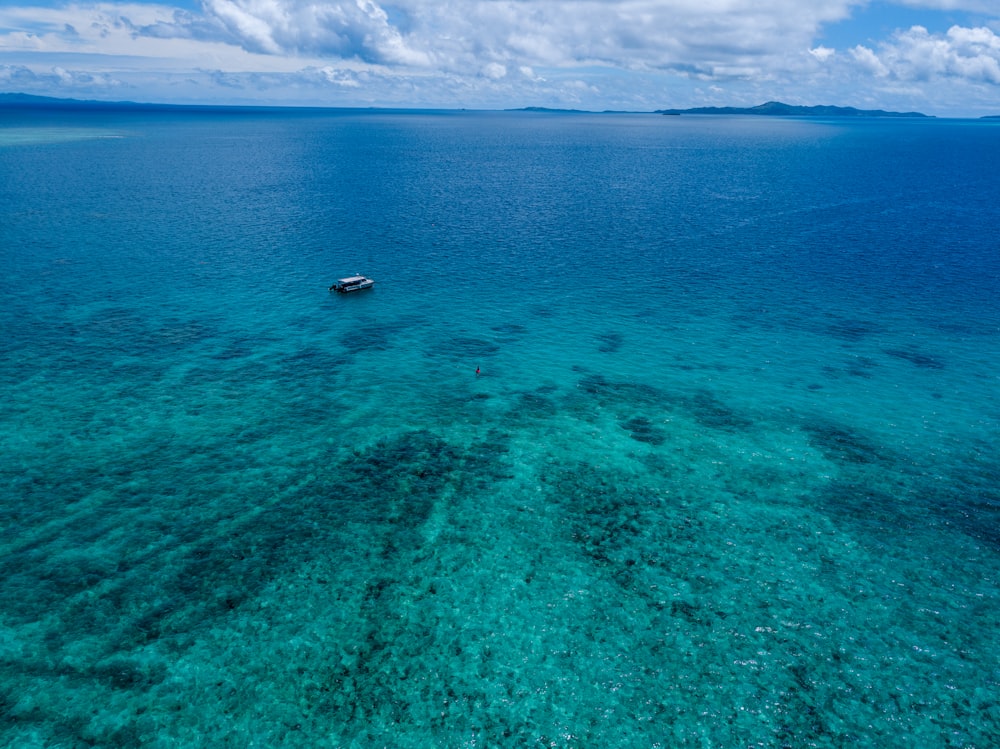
(352, 279)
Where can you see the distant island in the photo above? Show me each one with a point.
(554, 110)
(778, 109)
(30, 101)
(770, 109)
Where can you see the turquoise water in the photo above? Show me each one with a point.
(728, 476)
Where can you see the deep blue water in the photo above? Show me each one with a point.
(729, 475)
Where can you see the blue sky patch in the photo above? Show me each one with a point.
(878, 21)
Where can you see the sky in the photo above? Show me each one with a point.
(940, 57)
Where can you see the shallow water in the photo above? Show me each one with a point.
(728, 475)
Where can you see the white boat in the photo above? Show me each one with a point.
(354, 283)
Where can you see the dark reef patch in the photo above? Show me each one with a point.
(694, 614)
(886, 510)
(395, 479)
(610, 342)
(703, 406)
(636, 394)
(864, 507)
(235, 349)
(485, 462)
(916, 358)
(711, 412)
(127, 674)
(843, 445)
(642, 429)
(542, 311)
(173, 575)
(852, 330)
(510, 329)
(104, 337)
(969, 499)
(535, 405)
(177, 333)
(313, 360)
(861, 366)
(370, 337)
(464, 347)
(603, 517)
(855, 366)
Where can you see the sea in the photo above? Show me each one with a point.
(653, 431)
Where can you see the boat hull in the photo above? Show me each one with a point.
(355, 287)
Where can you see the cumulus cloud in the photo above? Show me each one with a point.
(346, 28)
(695, 38)
(12, 76)
(869, 61)
(380, 87)
(179, 24)
(103, 28)
(621, 54)
(971, 54)
(494, 70)
(706, 37)
(22, 77)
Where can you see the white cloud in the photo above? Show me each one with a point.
(616, 54)
(337, 76)
(494, 71)
(869, 61)
(20, 76)
(969, 54)
(706, 36)
(347, 28)
(253, 30)
(518, 41)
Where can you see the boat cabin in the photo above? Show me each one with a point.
(354, 283)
